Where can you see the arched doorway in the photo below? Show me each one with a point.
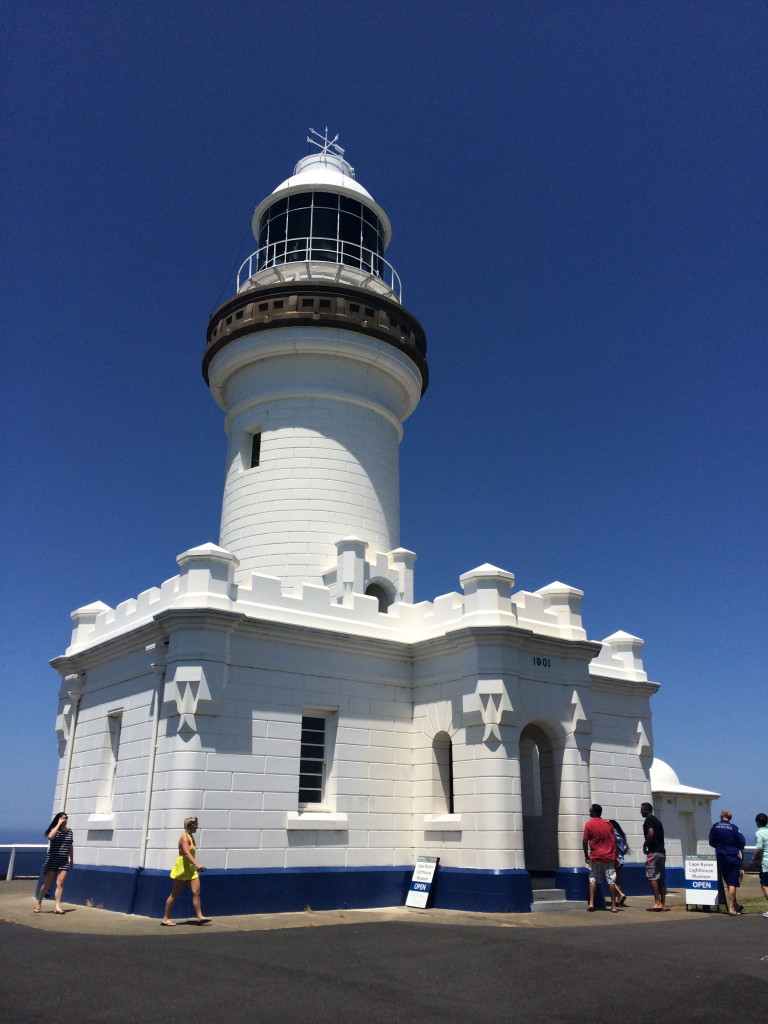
(540, 800)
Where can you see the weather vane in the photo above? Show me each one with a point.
(324, 144)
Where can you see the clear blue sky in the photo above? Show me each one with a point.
(577, 192)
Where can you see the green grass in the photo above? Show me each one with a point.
(759, 905)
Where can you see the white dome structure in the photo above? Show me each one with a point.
(664, 780)
(685, 812)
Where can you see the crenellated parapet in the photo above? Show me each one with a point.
(364, 595)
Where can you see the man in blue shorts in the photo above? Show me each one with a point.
(656, 857)
(760, 859)
(729, 844)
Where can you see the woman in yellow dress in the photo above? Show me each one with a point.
(185, 872)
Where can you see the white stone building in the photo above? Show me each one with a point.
(285, 688)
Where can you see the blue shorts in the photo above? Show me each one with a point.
(764, 879)
(730, 870)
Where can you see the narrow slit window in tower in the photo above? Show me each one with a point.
(255, 449)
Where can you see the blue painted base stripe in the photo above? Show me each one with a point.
(273, 890)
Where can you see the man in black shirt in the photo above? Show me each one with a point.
(656, 856)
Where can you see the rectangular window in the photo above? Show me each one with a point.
(312, 768)
(255, 450)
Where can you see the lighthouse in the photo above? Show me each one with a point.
(284, 687)
(316, 364)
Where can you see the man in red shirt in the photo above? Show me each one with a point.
(599, 844)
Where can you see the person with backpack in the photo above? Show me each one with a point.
(622, 849)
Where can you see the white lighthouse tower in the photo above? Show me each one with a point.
(285, 688)
(316, 364)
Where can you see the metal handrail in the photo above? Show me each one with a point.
(320, 250)
(13, 847)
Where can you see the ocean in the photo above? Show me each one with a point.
(23, 835)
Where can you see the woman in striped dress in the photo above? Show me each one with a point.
(61, 852)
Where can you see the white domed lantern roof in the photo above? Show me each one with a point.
(326, 170)
(321, 225)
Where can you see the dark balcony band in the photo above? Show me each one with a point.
(317, 304)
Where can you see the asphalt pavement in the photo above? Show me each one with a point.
(393, 965)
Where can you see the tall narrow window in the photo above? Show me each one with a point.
(443, 750)
(312, 768)
(111, 757)
(255, 449)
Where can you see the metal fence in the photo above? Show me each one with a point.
(21, 860)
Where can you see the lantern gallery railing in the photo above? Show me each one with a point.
(320, 250)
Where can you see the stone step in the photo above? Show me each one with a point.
(548, 894)
(557, 906)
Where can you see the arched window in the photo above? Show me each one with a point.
(382, 596)
(443, 777)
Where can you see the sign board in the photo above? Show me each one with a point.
(701, 880)
(421, 883)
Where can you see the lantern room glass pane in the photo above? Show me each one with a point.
(299, 223)
(296, 249)
(324, 223)
(370, 238)
(349, 227)
(300, 201)
(277, 226)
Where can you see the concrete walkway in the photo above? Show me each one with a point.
(17, 903)
(392, 966)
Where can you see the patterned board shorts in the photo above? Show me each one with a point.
(602, 869)
(654, 867)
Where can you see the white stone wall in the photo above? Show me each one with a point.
(325, 470)
(223, 673)
(329, 405)
(105, 801)
(620, 757)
